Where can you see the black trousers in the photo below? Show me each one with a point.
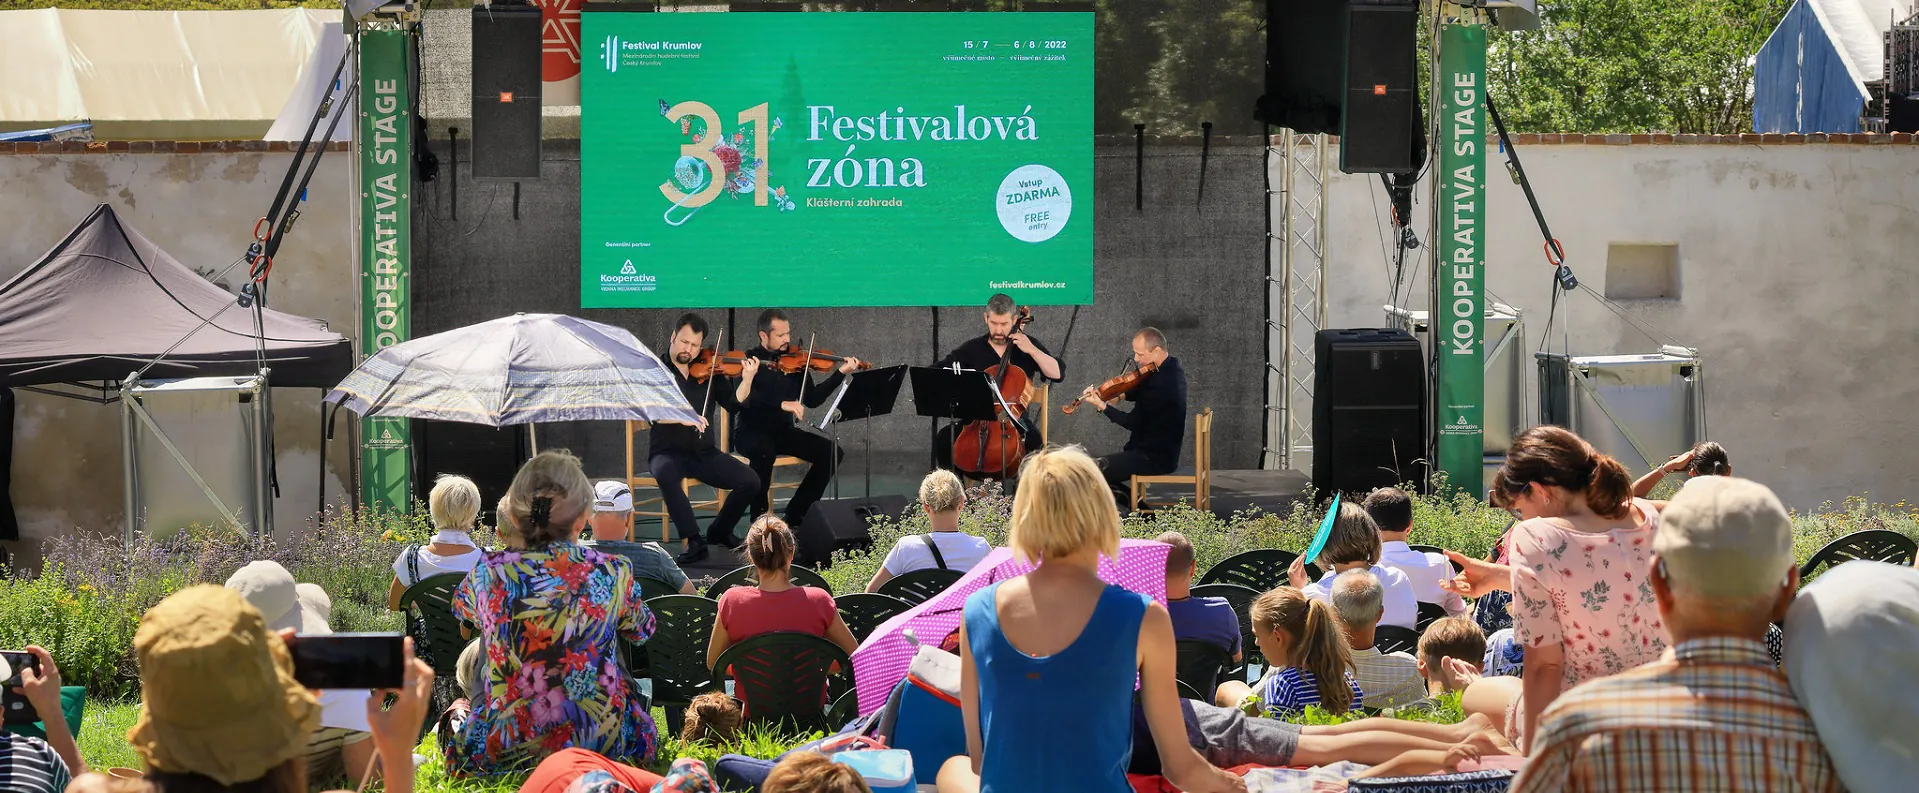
(1121, 467)
(821, 454)
(943, 446)
(718, 470)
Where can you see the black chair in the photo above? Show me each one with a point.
(845, 708)
(1202, 664)
(747, 576)
(783, 678)
(651, 588)
(1442, 552)
(676, 654)
(1877, 545)
(1258, 570)
(1429, 613)
(1188, 692)
(1241, 598)
(437, 640)
(864, 611)
(919, 586)
(1394, 639)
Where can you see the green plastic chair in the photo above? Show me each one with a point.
(1876, 545)
(1241, 598)
(1258, 570)
(747, 576)
(676, 653)
(73, 705)
(783, 677)
(1201, 664)
(918, 586)
(437, 639)
(865, 611)
(651, 588)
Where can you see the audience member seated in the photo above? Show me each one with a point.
(551, 614)
(341, 747)
(1392, 511)
(1059, 640)
(612, 521)
(454, 506)
(1307, 657)
(1450, 652)
(812, 772)
(580, 771)
(1354, 545)
(34, 765)
(776, 603)
(713, 718)
(943, 497)
(1582, 600)
(1386, 680)
(1205, 618)
(1852, 654)
(1714, 713)
(220, 711)
(1705, 458)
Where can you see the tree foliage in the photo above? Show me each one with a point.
(1680, 66)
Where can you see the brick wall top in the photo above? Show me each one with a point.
(152, 146)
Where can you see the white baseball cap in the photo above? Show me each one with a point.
(612, 495)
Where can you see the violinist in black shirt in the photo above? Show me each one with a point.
(768, 429)
(679, 452)
(1157, 422)
(982, 352)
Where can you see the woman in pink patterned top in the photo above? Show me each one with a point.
(1582, 606)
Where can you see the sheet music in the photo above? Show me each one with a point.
(833, 408)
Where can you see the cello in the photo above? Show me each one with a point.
(992, 448)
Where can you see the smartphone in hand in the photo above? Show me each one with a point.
(349, 660)
(14, 707)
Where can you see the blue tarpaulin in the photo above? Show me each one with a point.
(1810, 75)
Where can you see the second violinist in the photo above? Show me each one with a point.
(1156, 424)
(768, 423)
(678, 452)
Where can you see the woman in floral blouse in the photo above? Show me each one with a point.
(1582, 607)
(551, 614)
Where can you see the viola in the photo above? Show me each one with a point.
(794, 361)
(992, 448)
(728, 365)
(1118, 386)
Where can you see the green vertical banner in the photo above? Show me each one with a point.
(1459, 302)
(386, 247)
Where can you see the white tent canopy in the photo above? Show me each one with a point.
(159, 75)
(1859, 28)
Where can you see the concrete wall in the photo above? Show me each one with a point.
(1795, 262)
(201, 208)
(1192, 268)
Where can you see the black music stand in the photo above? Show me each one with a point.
(961, 395)
(863, 395)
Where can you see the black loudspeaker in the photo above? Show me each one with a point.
(1304, 59)
(1369, 410)
(834, 524)
(1381, 109)
(506, 92)
(1902, 114)
(488, 456)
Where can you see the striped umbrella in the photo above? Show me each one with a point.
(521, 369)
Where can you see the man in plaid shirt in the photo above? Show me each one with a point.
(1715, 714)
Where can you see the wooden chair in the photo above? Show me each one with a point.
(1201, 478)
(1876, 545)
(655, 507)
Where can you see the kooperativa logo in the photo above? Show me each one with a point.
(610, 53)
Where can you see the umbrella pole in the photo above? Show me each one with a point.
(533, 439)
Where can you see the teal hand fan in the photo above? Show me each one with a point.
(1325, 531)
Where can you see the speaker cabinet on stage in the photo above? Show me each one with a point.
(506, 92)
(1380, 112)
(487, 455)
(834, 524)
(1369, 410)
(1303, 62)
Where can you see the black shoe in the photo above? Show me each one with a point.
(729, 542)
(695, 551)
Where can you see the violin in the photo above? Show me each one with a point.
(703, 367)
(992, 448)
(795, 361)
(1114, 388)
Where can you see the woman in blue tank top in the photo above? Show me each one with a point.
(1048, 659)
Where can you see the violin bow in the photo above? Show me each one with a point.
(712, 374)
(806, 368)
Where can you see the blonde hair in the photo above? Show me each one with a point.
(713, 715)
(548, 495)
(770, 544)
(941, 491)
(1063, 506)
(1354, 538)
(454, 503)
(1318, 644)
(471, 671)
(812, 772)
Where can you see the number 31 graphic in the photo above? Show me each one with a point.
(703, 151)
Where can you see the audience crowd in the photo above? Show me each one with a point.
(1609, 643)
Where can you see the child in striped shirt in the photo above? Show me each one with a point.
(1311, 663)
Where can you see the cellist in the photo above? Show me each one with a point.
(1156, 425)
(982, 352)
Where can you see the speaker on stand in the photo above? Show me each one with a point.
(1369, 410)
(834, 524)
(506, 92)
